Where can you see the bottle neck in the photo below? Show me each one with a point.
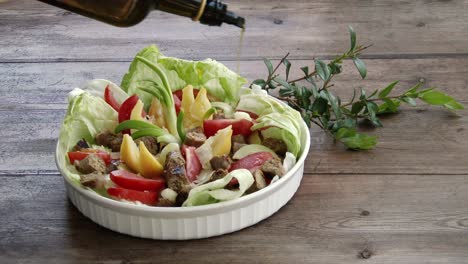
(208, 12)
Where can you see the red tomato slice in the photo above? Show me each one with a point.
(110, 99)
(192, 163)
(252, 161)
(239, 127)
(79, 155)
(149, 198)
(134, 182)
(127, 107)
(177, 103)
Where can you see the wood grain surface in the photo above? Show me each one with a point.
(403, 202)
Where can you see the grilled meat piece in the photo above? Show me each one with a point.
(218, 174)
(93, 180)
(163, 202)
(110, 140)
(150, 143)
(259, 183)
(273, 167)
(80, 145)
(219, 115)
(195, 137)
(175, 174)
(277, 145)
(221, 162)
(92, 163)
(236, 146)
(238, 139)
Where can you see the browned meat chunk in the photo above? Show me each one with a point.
(219, 115)
(238, 139)
(93, 180)
(165, 203)
(195, 137)
(277, 145)
(221, 162)
(110, 140)
(259, 183)
(175, 174)
(236, 146)
(92, 163)
(112, 166)
(80, 145)
(150, 143)
(218, 174)
(273, 167)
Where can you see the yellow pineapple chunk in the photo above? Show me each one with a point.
(149, 165)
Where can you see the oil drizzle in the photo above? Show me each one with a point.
(239, 49)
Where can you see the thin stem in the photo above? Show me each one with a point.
(276, 68)
(375, 99)
(303, 78)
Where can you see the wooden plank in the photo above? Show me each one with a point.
(34, 31)
(34, 85)
(331, 219)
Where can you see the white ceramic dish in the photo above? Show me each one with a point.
(180, 223)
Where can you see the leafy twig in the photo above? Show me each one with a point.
(321, 107)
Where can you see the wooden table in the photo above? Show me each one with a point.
(404, 202)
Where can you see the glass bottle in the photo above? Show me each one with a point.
(125, 13)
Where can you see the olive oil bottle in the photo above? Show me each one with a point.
(125, 13)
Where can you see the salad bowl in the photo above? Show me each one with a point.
(172, 223)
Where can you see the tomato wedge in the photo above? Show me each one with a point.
(127, 107)
(132, 181)
(149, 198)
(239, 127)
(110, 99)
(177, 103)
(192, 163)
(252, 161)
(79, 155)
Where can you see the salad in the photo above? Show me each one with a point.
(177, 133)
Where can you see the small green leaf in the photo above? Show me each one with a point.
(434, 97)
(362, 97)
(373, 93)
(412, 92)
(357, 107)
(386, 91)
(409, 100)
(320, 105)
(360, 66)
(352, 35)
(334, 102)
(322, 69)
(305, 70)
(269, 65)
(260, 82)
(454, 105)
(353, 140)
(287, 64)
(282, 82)
(389, 106)
(372, 110)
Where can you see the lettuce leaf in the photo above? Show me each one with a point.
(281, 121)
(214, 76)
(86, 116)
(214, 192)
